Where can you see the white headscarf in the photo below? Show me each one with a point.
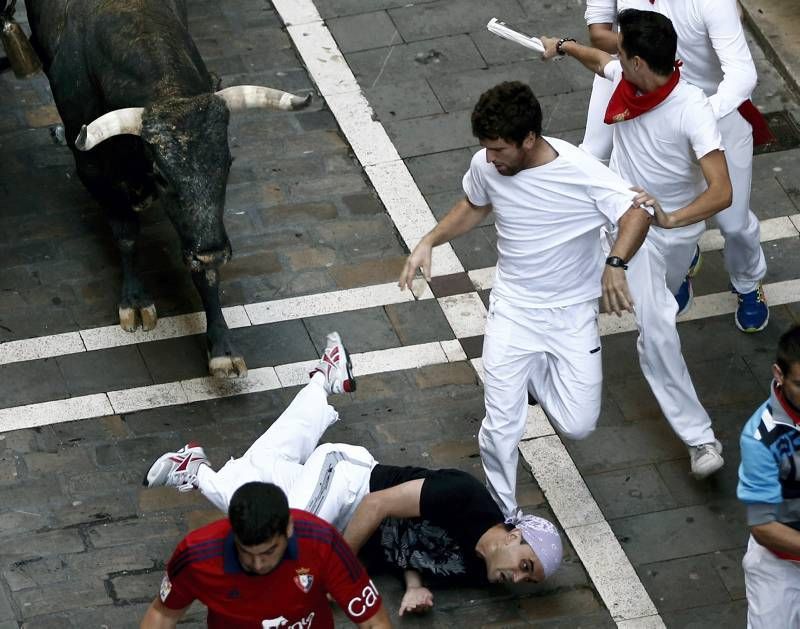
(542, 536)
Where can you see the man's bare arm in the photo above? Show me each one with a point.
(401, 501)
(592, 59)
(777, 536)
(603, 37)
(458, 221)
(159, 616)
(714, 199)
(633, 226)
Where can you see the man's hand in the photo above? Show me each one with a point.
(616, 296)
(420, 258)
(549, 44)
(660, 217)
(416, 600)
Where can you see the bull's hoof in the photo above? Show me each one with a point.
(132, 318)
(227, 367)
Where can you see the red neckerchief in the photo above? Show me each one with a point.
(626, 104)
(793, 414)
(762, 134)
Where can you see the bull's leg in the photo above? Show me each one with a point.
(223, 360)
(136, 307)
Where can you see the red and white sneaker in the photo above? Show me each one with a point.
(335, 365)
(177, 469)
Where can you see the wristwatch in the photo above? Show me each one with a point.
(561, 42)
(616, 261)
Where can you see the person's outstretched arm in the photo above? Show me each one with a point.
(458, 221)
(592, 59)
(417, 598)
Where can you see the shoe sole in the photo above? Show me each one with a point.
(750, 330)
(349, 366)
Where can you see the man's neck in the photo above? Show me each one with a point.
(650, 82)
(541, 154)
(490, 539)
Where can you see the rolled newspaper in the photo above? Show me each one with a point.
(501, 30)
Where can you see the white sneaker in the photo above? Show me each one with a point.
(177, 469)
(335, 365)
(706, 458)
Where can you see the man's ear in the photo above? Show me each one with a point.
(290, 528)
(514, 535)
(777, 374)
(529, 141)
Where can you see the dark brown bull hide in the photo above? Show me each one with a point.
(156, 128)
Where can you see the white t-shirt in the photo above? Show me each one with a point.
(548, 220)
(711, 44)
(658, 150)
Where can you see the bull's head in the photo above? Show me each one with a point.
(187, 141)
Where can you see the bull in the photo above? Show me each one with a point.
(144, 120)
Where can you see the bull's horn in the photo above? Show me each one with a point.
(241, 97)
(108, 125)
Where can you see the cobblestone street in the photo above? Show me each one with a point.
(321, 213)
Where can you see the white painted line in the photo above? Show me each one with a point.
(295, 374)
(151, 396)
(41, 347)
(465, 313)
(612, 573)
(646, 622)
(482, 279)
(326, 303)
(325, 63)
(208, 388)
(771, 229)
(562, 484)
(55, 412)
(398, 358)
(453, 351)
(537, 424)
(293, 12)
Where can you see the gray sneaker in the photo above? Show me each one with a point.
(706, 458)
(177, 469)
(335, 365)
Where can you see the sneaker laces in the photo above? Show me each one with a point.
(185, 481)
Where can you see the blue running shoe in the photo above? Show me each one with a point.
(697, 262)
(684, 296)
(752, 314)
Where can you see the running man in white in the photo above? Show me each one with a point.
(550, 200)
(441, 522)
(666, 140)
(715, 56)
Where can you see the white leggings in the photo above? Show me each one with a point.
(329, 480)
(773, 589)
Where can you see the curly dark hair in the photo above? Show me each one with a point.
(508, 111)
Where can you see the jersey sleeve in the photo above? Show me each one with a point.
(613, 71)
(700, 126)
(759, 479)
(176, 591)
(348, 583)
(725, 31)
(474, 183)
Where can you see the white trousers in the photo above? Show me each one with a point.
(744, 258)
(654, 274)
(773, 589)
(598, 137)
(555, 354)
(328, 481)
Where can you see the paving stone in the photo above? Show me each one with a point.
(687, 490)
(311, 258)
(104, 370)
(419, 322)
(450, 17)
(453, 284)
(732, 614)
(368, 272)
(477, 249)
(362, 203)
(472, 346)
(96, 509)
(30, 382)
(728, 565)
(121, 533)
(362, 330)
(440, 56)
(163, 499)
(32, 495)
(364, 31)
(629, 492)
(175, 359)
(682, 532)
(683, 583)
(42, 545)
(577, 602)
(434, 134)
(66, 459)
(403, 100)
(621, 447)
(440, 171)
(136, 586)
(299, 213)
(274, 344)
(58, 597)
